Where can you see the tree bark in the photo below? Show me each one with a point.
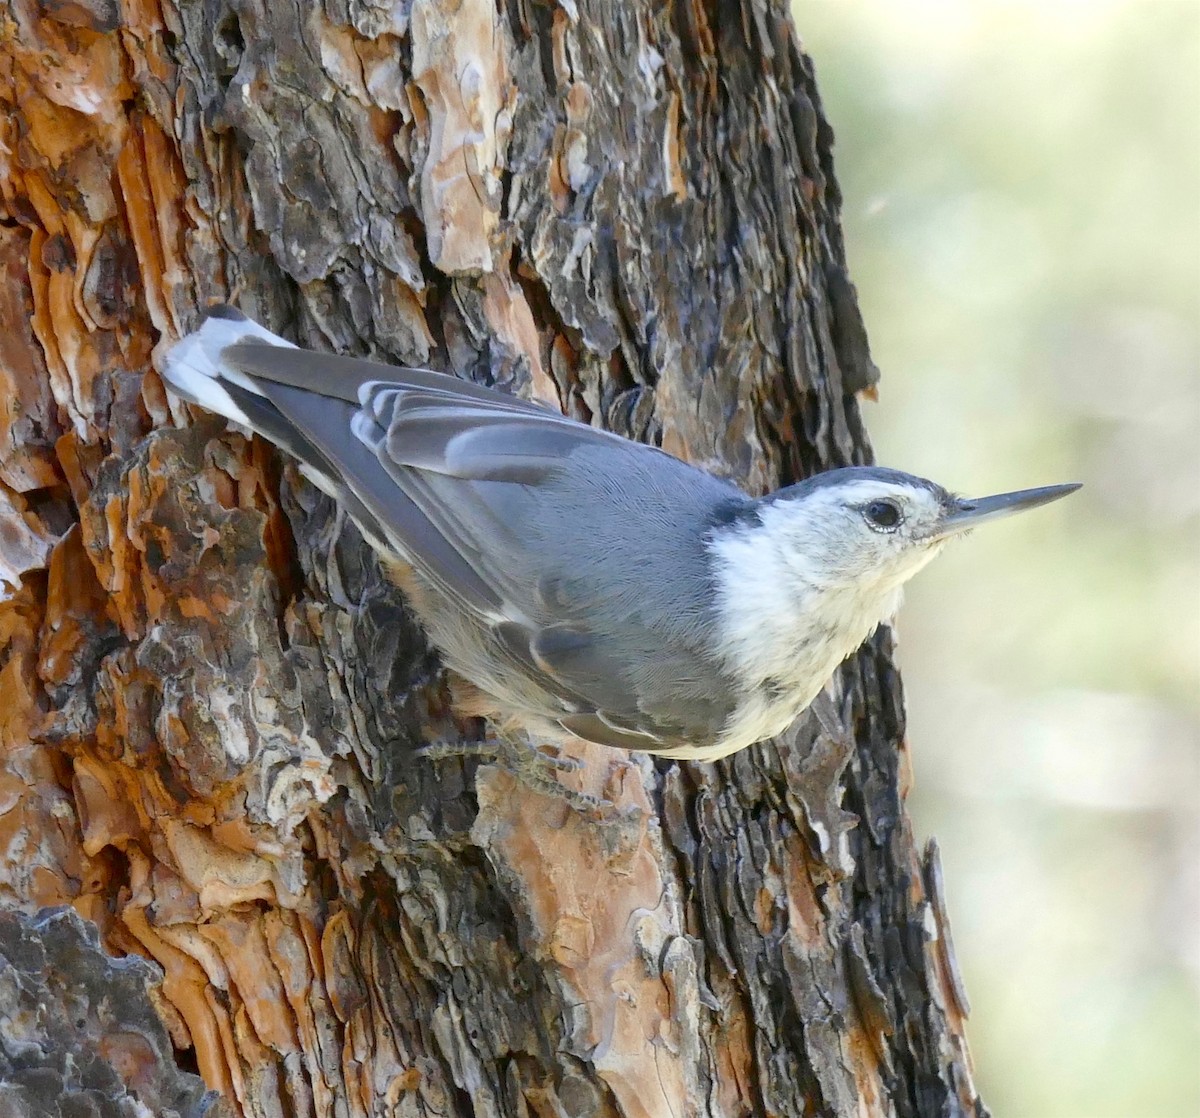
(210, 696)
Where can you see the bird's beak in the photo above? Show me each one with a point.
(970, 512)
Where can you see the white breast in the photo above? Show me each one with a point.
(784, 631)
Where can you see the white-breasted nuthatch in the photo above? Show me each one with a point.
(585, 584)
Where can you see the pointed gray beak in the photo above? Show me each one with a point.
(968, 512)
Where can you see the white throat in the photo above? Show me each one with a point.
(784, 626)
(780, 619)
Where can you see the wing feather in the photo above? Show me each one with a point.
(403, 522)
(473, 488)
(595, 727)
(347, 378)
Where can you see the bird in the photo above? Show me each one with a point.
(582, 584)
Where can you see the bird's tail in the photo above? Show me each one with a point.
(207, 368)
(196, 371)
(199, 370)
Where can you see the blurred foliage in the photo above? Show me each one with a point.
(1022, 214)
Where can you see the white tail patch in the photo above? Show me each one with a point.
(194, 367)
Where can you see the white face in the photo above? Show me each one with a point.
(869, 534)
(806, 580)
(806, 574)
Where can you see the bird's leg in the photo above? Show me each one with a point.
(496, 745)
(533, 766)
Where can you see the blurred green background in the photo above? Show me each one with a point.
(1022, 213)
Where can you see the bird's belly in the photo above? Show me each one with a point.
(756, 718)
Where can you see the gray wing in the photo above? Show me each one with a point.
(573, 559)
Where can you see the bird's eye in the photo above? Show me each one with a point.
(884, 515)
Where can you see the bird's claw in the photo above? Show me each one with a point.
(535, 767)
(441, 750)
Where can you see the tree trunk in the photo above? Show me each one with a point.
(210, 697)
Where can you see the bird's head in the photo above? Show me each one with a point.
(803, 576)
(869, 530)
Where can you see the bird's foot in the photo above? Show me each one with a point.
(533, 766)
